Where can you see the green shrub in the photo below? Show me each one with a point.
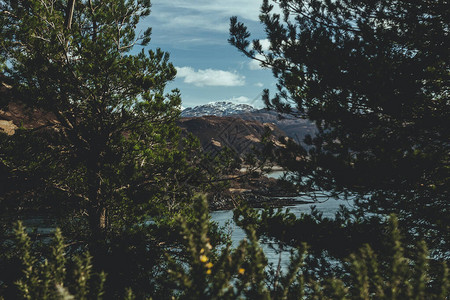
(205, 271)
(55, 276)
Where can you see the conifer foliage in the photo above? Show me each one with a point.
(212, 272)
(108, 158)
(107, 153)
(374, 76)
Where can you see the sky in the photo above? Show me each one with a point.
(209, 69)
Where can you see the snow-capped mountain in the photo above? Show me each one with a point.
(220, 109)
(293, 127)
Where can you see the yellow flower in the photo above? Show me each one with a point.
(241, 271)
(202, 251)
(208, 271)
(203, 258)
(209, 265)
(208, 245)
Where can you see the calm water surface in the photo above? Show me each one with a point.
(225, 218)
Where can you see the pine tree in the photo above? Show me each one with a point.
(374, 76)
(107, 163)
(112, 140)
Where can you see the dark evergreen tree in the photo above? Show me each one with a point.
(113, 127)
(108, 156)
(374, 76)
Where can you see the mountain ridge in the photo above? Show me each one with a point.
(219, 109)
(293, 127)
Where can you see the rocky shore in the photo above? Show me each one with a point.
(231, 201)
(257, 193)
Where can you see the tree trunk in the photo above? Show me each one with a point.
(69, 14)
(96, 205)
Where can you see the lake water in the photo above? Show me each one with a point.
(327, 208)
(225, 218)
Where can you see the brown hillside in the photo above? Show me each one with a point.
(239, 135)
(14, 114)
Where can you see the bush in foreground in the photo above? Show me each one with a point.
(202, 270)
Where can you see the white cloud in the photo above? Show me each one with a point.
(255, 102)
(248, 9)
(240, 99)
(265, 44)
(188, 21)
(210, 77)
(255, 64)
(259, 84)
(209, 15)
